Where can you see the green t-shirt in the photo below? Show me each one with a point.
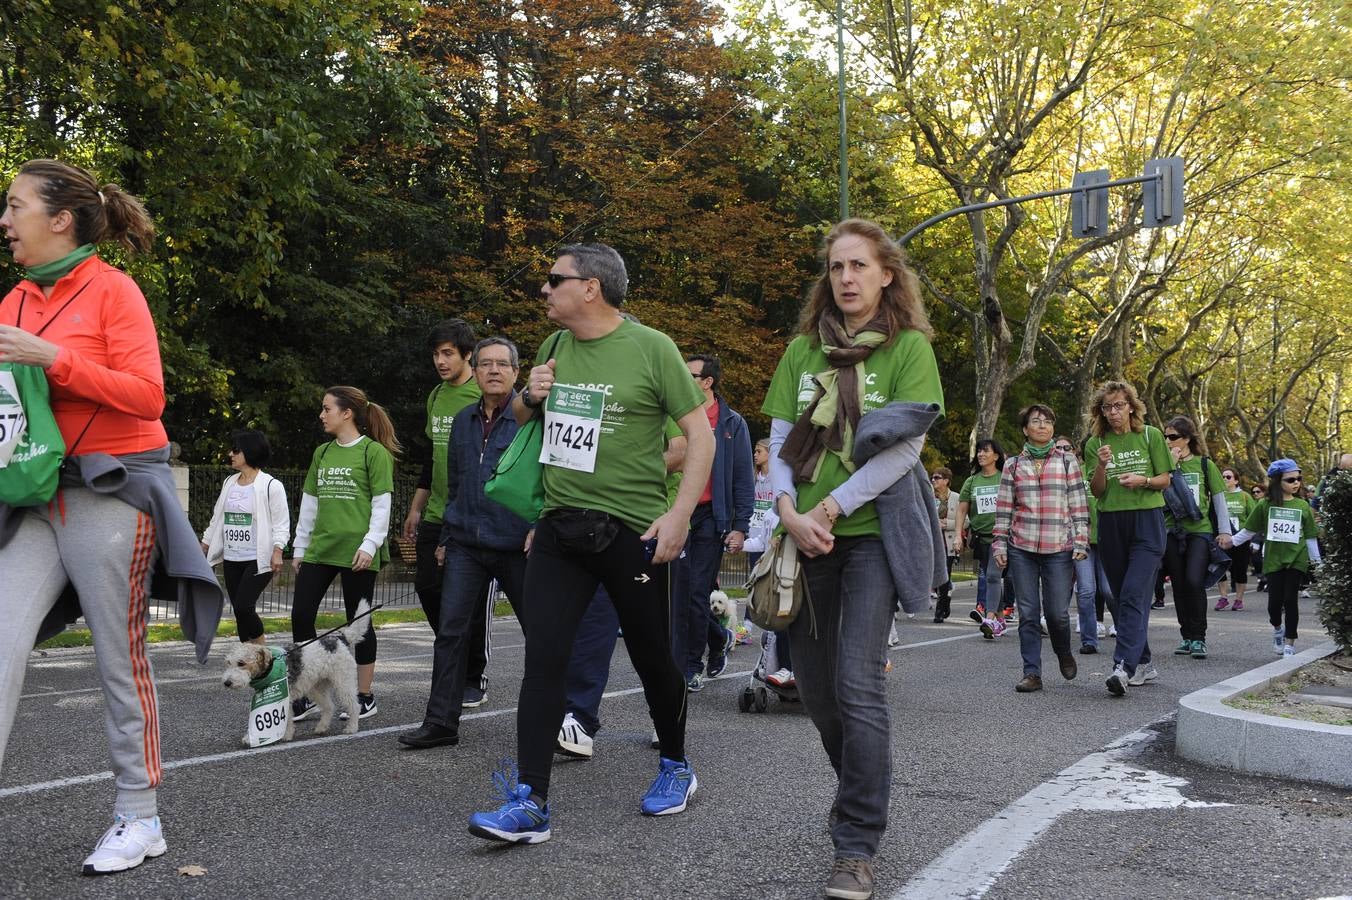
(344, 480)
(1192, 474)
(1239, 504)
(1284, 529)
(905, 371)
(1136, 452)
(979, 492)
(442, 404)
(645, 382)
(673, 478)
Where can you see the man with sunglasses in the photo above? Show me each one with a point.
(606, 387)
(720, 521)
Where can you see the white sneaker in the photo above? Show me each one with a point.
(1278, 640)
(1103, 632)
(1112, 631)
(1117, 682)
(1074, 624)
(1289, 650)
(781, 678)
(1305, 595)
(893, 639)
(1144, 672)
(573, 739)
(126, 845)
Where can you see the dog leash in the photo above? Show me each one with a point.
(339, 627)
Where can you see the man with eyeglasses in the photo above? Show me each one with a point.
(720, 521)
(606, 387)
(480, 540)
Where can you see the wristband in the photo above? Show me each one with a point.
(826, 509)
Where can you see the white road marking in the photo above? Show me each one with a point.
(1104, 782)
(233, 755)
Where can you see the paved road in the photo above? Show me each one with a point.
(994, 793)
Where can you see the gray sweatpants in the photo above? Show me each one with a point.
(106, 549)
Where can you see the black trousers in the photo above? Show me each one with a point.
(312, 582)
(1284, 598)
(1185, 562)
(559, 587)
(243, 585)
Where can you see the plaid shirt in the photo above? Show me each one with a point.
(1042, 512)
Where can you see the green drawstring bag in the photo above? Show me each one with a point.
(31, 447)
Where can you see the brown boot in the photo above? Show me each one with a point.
(851, 879)
(1068, 667)
(1029, 684)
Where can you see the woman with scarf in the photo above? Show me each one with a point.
(86, 325)
(1041, 531)
(863, 343)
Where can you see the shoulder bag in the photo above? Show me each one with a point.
(518, 480)
(776, 589)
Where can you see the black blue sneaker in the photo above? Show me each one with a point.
(301, 707)
(519, 820)
(671, 789)
(716, 666)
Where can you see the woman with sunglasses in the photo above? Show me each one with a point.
(1289, 535)
(1187, 546)
(1238, 503)
(249, 527)
(1131, 466)
(994, 596)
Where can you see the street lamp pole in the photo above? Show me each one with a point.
(840, 91)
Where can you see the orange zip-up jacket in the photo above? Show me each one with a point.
(109, 359)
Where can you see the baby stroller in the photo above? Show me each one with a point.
(756, 694)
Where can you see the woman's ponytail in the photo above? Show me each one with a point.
(380, 429)
(105, 213)
(126, 219)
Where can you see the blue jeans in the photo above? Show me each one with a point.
(1042, 585)
(1086, 593)
(841, 683)
(991, 580)
(1131, 545)
(464, 590)
(589, 667)
(704, 548)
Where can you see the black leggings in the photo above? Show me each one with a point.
(244, 585)
(1239, 564)
(1284, 597)
(1186, 558)
(312, 582)
(559, 586)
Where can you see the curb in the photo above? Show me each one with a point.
(1214, 734)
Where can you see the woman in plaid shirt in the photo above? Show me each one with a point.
(1041, 527)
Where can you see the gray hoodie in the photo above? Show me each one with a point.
(907, 512)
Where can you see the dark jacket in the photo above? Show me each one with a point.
(471, 519)
(734, 474)
(144, 482)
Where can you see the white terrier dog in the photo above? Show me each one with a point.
(723, 608)
(324, 671)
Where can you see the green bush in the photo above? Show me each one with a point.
(1334, 581)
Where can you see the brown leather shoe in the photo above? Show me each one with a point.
(1029, 684)
(1068, 667)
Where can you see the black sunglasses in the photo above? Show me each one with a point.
(1172, 437)
(1294, 480)
(557, 278)
(1066, 447)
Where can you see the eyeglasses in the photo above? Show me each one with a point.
(1295, 479)
(1039, 420)
(1065, 447)
(493, 364)
(1228, 477)
(1115, 407)
(1173, 437)
(938, 478)
(557, 278)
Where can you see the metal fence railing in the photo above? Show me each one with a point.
(394, 583)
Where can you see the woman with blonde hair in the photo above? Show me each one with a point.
(344, 523)
(863, 344)
(1131, 465)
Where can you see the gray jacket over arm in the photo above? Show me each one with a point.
(911, 533)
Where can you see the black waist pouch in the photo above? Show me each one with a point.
(582, 530)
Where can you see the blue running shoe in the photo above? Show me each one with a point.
(671, 789)
(519, 820)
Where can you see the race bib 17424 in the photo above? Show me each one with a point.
(572, 427)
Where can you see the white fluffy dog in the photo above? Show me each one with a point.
(724, 609)
(324, 671)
